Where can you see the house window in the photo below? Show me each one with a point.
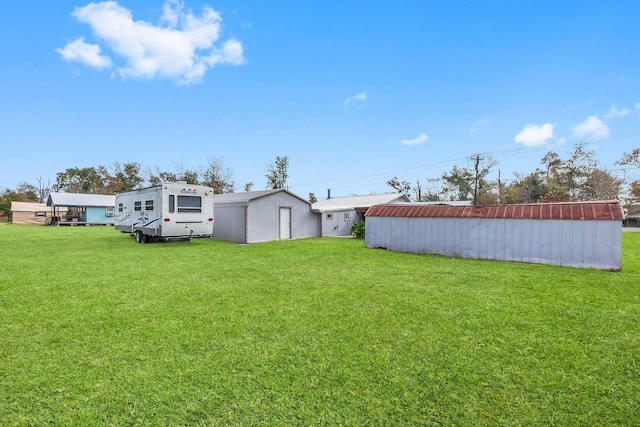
(108, 211)
(120, 207)
(137, 206)
(346, 216)
(41, 214)
(191, 204)
(329, 216)
(148, 205)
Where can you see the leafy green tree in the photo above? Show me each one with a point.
(526, 188)
(600, 184)
(277, 173)
(458, 184)
(80, 180)
(312, 198)
(216, 175)
(127, 177)
(157, 176)
(6, 198)
(402, 187)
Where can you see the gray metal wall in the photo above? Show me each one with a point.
(576, 243)
(337, 226)
(229, 223)
(263, 218)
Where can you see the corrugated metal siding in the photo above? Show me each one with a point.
(590, 243)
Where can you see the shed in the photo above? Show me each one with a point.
(583, 234)
(30, 213)
(82, 209)
(261, 216)
(338, 214)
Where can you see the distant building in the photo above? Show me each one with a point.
(30, 213)
(338, 214)
(81, 209)
(632, 218)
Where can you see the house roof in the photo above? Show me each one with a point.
(28, 207)
(355, 202)
(595, 210)
(77, 200)
(247, 196)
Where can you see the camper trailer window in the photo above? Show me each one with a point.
(120, 207)
(172, 203)
(137, 206)
(148, 205)
(189, 204)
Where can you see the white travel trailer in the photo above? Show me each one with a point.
(168, 211)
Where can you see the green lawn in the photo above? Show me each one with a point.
(98, 330)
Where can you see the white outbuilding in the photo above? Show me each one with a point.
(262, 216)
(338, 214)
(582, 234)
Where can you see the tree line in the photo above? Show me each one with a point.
(121, 177)
(579, 177)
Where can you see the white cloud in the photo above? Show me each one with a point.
(420, 139)
(592, 127)
(638, 106)
(614, 112)
(535, 135)
(85, 53)
(362, 97)
(183, 46)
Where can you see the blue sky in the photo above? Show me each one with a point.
(353, 93)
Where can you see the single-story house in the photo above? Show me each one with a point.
(632, 218)
(581, 234)
(338, 214)
(261, 216)
(82, 209)
(31, 213)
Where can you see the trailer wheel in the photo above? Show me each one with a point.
(141, 237)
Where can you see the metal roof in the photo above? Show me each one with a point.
(597, 210)
(355, 202)
(245, 197)
(81, 200)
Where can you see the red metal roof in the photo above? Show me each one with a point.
(601, 210)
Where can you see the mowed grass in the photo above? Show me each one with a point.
(98, 330)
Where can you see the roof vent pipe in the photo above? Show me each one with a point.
(328, 193)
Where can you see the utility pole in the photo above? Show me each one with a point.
(499, 189)
(477, 159)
